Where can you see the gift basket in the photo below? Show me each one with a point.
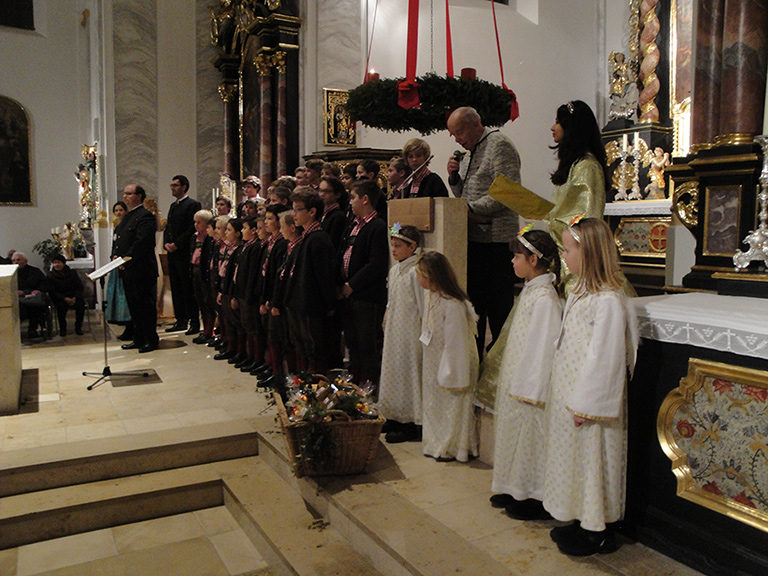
(329, 427)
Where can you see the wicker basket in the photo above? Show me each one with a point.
(356, 442)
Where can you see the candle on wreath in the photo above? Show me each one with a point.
(468, 74)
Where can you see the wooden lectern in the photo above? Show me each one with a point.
(443, 221)
(10, 339)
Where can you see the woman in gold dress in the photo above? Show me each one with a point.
(580, 177)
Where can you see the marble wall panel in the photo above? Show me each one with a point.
(210, 110)
(136, 116)
(339, 44)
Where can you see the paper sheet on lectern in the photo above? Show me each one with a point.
(515, 196)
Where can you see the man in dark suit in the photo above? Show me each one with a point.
(176, 239)
(135, 238)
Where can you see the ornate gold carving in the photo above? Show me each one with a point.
(646, 237)
(273, 4)
(227, 91)
(263, 63)
(278, 61)
(702, 426)
(340, 130)
(685, 203)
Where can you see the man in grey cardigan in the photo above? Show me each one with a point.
(490, 276)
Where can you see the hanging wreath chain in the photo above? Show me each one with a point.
(375, 103)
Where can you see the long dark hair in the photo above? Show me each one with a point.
(581, 136)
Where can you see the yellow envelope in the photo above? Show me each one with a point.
(513, 195)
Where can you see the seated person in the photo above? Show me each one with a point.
(66, 290)
(31, 293)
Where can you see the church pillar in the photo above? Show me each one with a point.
(282, 146)
(709, 48)
(744, 46)
(264, 66)
(228, 93)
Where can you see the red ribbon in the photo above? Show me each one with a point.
(408, 89)
(448, 42)
(514, 108)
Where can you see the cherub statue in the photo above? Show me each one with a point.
(658, 160)
(67, 240)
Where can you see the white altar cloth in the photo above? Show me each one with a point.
(727, 323)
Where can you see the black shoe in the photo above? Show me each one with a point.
(259, 370)
(404, 433)
(148, 348)
(274, 381)
(265, 375)
(390, 425)
(248, 366)
(63, 332)
(527, 510)
(247, 361)
(193, 329)
(78, 330)
(127, 334)
(501, 500)
(222, 345)
(31, 334)
(562, 532)
(214, 342)
(201, 339)
(236, 359)
(177, 327)
(226, 355)
(583, 542)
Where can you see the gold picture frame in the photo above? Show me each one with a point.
(338, 127)
(654, 246)
(710, 428)
(15, 154)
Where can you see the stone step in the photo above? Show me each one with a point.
(47, 467)
(48, 514)
(292, 538)
(397, 537)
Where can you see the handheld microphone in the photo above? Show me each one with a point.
(453, 177)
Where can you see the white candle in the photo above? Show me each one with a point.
(637, 141)
(765, 110)
(623, 142)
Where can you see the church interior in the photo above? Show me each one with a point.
(182, 468)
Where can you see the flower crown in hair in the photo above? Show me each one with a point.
(526, 243)
(394, 232)
(576, 220)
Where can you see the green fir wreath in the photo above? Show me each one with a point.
(375, 103)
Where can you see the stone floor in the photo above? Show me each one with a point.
(193, 389)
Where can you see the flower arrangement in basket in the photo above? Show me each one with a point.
(329, 427)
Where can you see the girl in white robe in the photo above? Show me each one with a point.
(586, 431)
(401, 363)
(450, 364)
(522, 382)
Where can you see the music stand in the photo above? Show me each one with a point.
(107, 373)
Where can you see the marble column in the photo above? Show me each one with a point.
(228, 93)
(744, 49)
(282, 143)
(264, 66)
(706, 93)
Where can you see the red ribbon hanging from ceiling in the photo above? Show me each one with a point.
(408, 89)
(514, 109)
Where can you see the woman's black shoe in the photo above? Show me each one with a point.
(527, 510)
(580, 542)
(501, 500)
(559, 532)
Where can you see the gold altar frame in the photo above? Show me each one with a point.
(338, 127)
(698, 371)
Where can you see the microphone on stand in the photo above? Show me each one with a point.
(453, 177)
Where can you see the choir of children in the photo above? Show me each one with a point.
(284, 285)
